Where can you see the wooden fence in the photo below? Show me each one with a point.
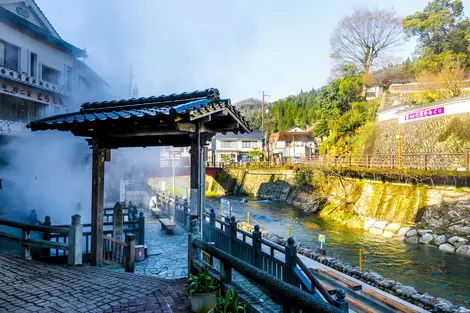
(72, 247)
(173, 206)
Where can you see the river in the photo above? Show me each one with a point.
(423, 267)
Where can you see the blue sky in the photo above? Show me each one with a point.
(239, 46)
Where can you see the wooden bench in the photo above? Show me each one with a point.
(167, 225)
(156, 212)
(351, 284)
(389, 301)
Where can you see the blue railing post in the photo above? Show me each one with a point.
(257, 257)
(288, 274)
(211, 225)
(226, 270)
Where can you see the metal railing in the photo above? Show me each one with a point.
(420, 161)
(274, 260)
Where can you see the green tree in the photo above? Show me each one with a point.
(440, 27)
(255, 153)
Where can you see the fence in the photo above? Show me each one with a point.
(119, 253)
(424, 161)
(274, 260)
(171, 205)
(72, 247)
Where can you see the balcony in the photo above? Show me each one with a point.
(24, 78)
(13, 128)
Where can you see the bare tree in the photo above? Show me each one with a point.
(363, 36)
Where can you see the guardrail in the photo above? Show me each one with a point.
(173, 206)
(120, 253)
(425, 161)
(72, 247)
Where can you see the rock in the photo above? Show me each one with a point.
(461, 310)
(442, 305)
(402, 231)
(421, 232)
(460, 229)
(439, 240)
(463, 250)
(411, 233)
(375, 276)
(408, 291)
(411, 239)
(447, 248)
(457, 241)
(392, 228)
(426, 238)
(368, 222)
(388, 234)
(376, 231)
(380, 224)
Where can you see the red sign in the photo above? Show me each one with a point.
(424, 113)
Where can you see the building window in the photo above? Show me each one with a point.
(249, 144)
(228, 144)
(83, 84)
(9, 56)
(50, 75)
(33, 64)
(69, 78)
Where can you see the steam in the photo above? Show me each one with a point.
(47, 172)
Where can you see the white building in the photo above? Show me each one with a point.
(40, 73)
(235, 147)
(293, 143)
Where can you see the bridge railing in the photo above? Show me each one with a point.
(271, 259)
(420, 161)
(72, 247)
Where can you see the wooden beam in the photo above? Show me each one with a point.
(97, 203)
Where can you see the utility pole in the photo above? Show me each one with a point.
(131, 75)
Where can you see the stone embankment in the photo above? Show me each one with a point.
(444, 242)
(407, 293)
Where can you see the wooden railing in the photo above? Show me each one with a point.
(277, 261)
(72, 247)
(172, 206)
(120, 253)
(425, 161)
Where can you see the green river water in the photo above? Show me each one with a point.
(425, 268)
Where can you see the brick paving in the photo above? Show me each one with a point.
(29, 286)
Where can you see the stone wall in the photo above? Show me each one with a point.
(445, 134)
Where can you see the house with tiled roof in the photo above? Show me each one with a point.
(41, 74)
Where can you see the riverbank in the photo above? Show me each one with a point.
(395, 288)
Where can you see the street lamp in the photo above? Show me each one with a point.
(399, 137)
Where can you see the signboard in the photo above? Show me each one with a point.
(28, 93)
(322, 239)
(424, 114)
(225, 207)
(184, 193)
(117, 221)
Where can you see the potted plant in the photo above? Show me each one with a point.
(202, 290)
(229, 304)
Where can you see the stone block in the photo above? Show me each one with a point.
(426, 238)
(402, 231)
(388, 234)
(380, 224)
(392, 228)
(376, 231)
(368, 223)
(463, 250)
(412, 233)
(446, 247)
(421, 232)
(411, 239)
(457, 241)
(439, 239)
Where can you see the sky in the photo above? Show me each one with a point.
(241, 47)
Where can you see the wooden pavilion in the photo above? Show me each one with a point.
(179, 120)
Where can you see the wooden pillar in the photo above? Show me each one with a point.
(97, 210)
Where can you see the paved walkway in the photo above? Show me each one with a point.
(29, 286)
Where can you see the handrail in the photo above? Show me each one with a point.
(273, 245)
(244, 232)
(314, 281)
(299, 298)
(30, 227)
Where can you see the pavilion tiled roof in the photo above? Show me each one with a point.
(188, 105)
